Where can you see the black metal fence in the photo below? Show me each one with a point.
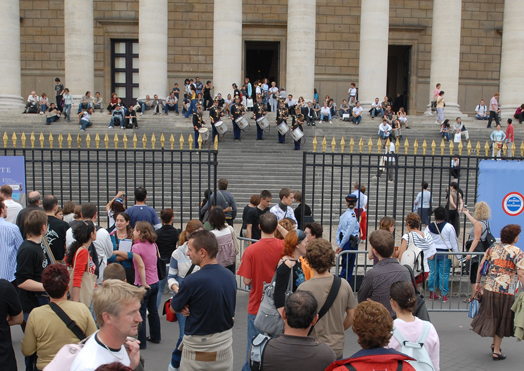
(327, 178)
(173, 178)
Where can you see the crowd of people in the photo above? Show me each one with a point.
(67, 280)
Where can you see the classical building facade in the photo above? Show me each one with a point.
(137, 47)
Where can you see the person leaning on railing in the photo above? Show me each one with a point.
(506, 266)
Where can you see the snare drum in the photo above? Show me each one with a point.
(242, 122)
(221, 127)
(263, 122)
(204, 134)
(297, 134)
(283, 128)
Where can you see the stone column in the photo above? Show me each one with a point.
(373, 62)
(301, 25)
(153, 48)
(445, 53)
(79, 47)
(227, 46)
(11, 75)
(511, 76)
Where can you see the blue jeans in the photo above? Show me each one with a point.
(68, 112)
(383, 134)
(81, 106)
(446, 135)
(357, 119)
(113, 121)
(192, 108)
(43, 108)
(143, 106)
(376, 112)
(177, 355)
(481, 118)
(149, 304)
(161, 287)
(322, 117)
(439, 274)
(85, 124)
(51, 119)
(252, 331)
(170, 108)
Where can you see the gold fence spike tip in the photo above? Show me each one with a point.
(32, 139)
(424, 147)
(324, 144)
(181, 140)
(469, 146)
(115, 139)
(153, 141)
(477, 147)
(124, 139)
(504, 149)
(486, 148)
(442, 147)
(13, 138)
(333, 145)
(88, 140)
(199, 141)
(162, 140)
(360, 144)
(69, 140)
(78, 140)
(106, 140)
(351, 145)
(433, 147)
(379, 145)
(172, 141)
(23, 139)
(41, 139)
(135, 140)
(522, 150)
(144, 141)
(451, 147)
(97, 140)
(415, 147)
(190, 141)
(406, 146)
(342, 145)
(51, 140)
(60, 140)
(370, 144)
(6, 138)
(513, 149)
(315, 142)
(216, 143)
(460, 147)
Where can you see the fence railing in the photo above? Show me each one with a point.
(244, 243)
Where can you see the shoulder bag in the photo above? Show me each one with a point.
(421, 311)
(413, 256)
(71, 325)
(490, 240)
(454, 260)
(268, 319)
(87, 287)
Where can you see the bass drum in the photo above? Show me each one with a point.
(221, 127)
(263, 122)
(283, 128)
(297, 134)
(204, 134)
(242, 123)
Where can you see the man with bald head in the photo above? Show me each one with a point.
(33, 203)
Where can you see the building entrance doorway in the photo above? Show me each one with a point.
(399, 71)
(124, 70)
(262, 61)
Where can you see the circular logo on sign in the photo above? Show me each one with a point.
(513, 204)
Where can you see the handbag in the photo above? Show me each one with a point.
(65, 357)
(268, 319)
(490, 240)
(457, 138)
(474, 304)
(454, 260)
(421, 311)
(170, 316)
(87, 287)
(160, 265)
(486, 266)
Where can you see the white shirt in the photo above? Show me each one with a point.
(94, 354)
(325, 111)
(448, 235)
(481, 110)
(32, 98)
(376, 105)
(13, 208)
(86, 116)
(281, 214)
(358, 110)
(362, 200)
(258, 90)
(273, 90)
(384, 127)
(352, 92)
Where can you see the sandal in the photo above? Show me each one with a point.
(498, 356)
(468, 300)
(493, 348)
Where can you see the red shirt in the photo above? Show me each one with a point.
(81, 265)
(259, 263)
(510, 137)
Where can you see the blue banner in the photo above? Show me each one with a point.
(501, 185)
(12, 173)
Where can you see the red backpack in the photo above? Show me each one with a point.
(379, 359)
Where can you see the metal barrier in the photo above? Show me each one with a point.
(243, 245)
(459, 286)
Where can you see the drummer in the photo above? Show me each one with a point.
(297, 124)
(237, 111)
(198, 123)
(215, 113)
(259, 110)
(282, 115)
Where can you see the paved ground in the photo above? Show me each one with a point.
(461, 349)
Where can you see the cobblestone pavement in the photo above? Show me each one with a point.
(460, 348)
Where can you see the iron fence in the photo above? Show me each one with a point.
(173, 178)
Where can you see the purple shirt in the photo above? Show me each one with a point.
(147, 252)
(493, 104)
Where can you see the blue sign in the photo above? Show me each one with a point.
(501, 186)
(12, 173)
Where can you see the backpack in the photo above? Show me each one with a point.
(258, 346)
(416, 350)
(413, 257)
(65, 357)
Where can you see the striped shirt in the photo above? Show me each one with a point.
(10, 241)
(423, 243)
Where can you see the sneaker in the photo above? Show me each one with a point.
(82, 130)
(121, 127)
(433, 296)
(109, 127)
(331, 122)
(171, 368)
(41, 113)
(445, 299)
(141, 113)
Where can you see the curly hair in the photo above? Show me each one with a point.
(373, 325)
(290, 243)
(320, 255)
(482, 211)
(509, 233)
(287, 225)
(55, 279)
(413, 220)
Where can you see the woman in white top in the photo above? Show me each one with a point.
(85, 119)
(68, 99)
(180, 266)
(44, 103)
(228, 247)
(403, 117)
(404, 302)
(273, 96)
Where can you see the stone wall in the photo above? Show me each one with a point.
(190, 42)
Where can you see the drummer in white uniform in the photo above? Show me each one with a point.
(198, 123)
(259, 112)
(282, 116)
(237, 111)
(215, 113)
